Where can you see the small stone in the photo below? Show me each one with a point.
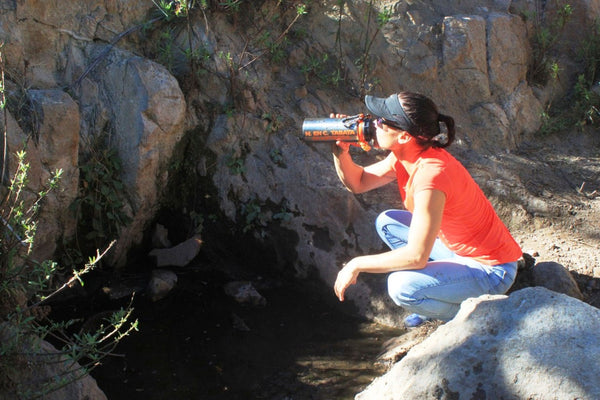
(245, 293)
(556, 277)
(239, 323)
(160, 237)
(118, 291)
(301, 92)
(161, 283)
(178, 256)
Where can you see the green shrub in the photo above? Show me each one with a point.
(100, 206)
(547, 33)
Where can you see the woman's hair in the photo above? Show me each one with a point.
(426, 119)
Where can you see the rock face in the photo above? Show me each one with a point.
(472, 58)
(534, 343)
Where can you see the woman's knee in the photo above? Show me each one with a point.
(405, 289)
(400, 288)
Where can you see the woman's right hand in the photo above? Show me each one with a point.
(346, 276)
(338, 148)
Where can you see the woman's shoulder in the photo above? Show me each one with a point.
(439, 158)
(440, 167)
(434, 158)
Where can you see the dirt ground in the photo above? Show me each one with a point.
(561, 176)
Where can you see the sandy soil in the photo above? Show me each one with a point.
(565, 179)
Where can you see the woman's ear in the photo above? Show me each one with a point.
(404, 137)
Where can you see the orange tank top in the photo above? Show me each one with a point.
(470, 226)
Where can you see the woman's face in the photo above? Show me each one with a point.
(387, 136)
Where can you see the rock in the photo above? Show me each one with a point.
(161, 283)
(556, 277)
(43, 363)
(178, 256)
(508, 52)
(245, 293)
(535, 343)
(59, 147)
(396, 348)
(523, 110)
(147, 108)
(490, 117)
(548, 274)
(160, 237)
(119, 290)
(464, 55)
(42, 35)
(238, 323)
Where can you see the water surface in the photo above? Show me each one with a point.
(302, 344)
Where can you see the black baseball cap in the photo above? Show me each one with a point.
(391, 110)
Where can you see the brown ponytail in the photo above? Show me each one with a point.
(449, 136)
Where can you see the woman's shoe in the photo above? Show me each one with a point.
(414, 320)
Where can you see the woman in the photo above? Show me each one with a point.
(450, 245)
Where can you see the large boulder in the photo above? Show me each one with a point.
(533, 344)
(143, 108)
(58, 148)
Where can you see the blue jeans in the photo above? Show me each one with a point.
(437, 290)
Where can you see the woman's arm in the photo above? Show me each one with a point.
(424, 229)
(358, 179)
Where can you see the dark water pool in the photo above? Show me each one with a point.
(302, 345)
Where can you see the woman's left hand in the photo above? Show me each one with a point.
(346, 277)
